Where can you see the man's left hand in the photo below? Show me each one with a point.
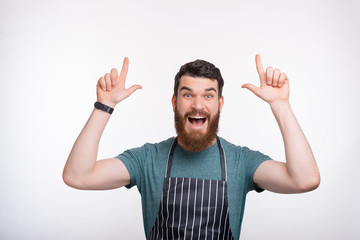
(274, 85)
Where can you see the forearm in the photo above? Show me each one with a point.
(300, 161)
(83, 155)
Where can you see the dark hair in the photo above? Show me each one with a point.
(199, 68)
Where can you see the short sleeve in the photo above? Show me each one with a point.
(133, 161)
(252, 160)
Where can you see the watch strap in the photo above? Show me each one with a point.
(103, 107)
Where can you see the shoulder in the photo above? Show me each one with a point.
(140, 158)
(241, 152)
(159, 146)
(163, 144)
(231, 148)
(151, 148)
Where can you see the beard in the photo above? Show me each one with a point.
(196, 141)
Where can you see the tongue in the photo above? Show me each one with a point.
(197, 122)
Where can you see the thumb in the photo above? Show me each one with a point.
(251, 87)
(132, 89)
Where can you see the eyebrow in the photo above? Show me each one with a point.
(190, 90)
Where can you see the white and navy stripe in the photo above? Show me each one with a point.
(193, 208)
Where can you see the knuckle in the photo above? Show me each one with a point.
(101, 81)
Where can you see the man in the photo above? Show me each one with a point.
(194, 186)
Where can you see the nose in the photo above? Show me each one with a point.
(198, 103)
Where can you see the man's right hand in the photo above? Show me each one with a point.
(111, 90)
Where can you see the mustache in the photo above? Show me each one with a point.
(197, 112)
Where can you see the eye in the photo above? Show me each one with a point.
(208, 96)
(187, 95)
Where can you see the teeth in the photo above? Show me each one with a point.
(198, 117)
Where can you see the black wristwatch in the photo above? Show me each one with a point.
(103, 107)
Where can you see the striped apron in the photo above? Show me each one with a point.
(193, 208)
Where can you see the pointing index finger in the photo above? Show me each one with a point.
(260, 69)
(124, 69)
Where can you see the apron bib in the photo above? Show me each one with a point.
(193, 208)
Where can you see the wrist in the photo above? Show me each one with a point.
(279, 103)
(280, 108)
(103, 107)
(107, 102)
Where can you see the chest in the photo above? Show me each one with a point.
(201, 167)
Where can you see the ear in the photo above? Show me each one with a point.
(221, 102)
(173, 101)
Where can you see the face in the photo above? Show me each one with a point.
(197, 110)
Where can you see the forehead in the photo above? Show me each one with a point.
(198, 83)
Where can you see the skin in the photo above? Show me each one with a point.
(200, 94)
(298, 174)
(81, 170)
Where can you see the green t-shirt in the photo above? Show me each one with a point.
(147, 166)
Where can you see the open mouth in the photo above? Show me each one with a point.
(197, 121)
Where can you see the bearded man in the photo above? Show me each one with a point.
(194, 185)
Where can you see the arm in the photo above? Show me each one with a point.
(81, 170)
(300, 172)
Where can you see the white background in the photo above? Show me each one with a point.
(53, 52)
